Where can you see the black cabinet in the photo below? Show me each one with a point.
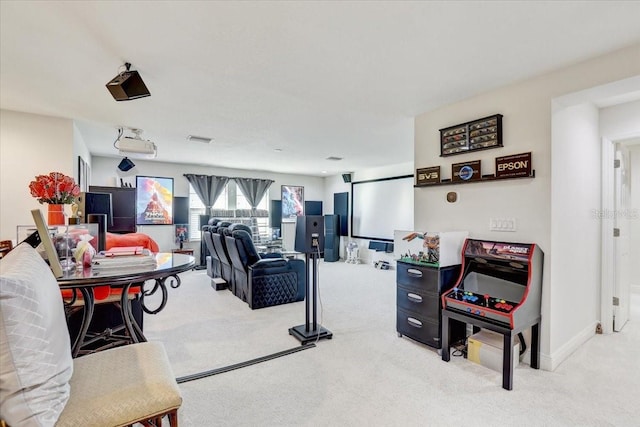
(123, 205)
(418, 302)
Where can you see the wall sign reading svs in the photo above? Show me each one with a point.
(428, 175)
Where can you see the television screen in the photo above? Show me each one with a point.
(154, 200)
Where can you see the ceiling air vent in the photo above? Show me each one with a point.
(334, 158)
(201, 139)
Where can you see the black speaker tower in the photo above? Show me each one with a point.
(310, 240)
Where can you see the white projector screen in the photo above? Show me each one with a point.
(380, 206)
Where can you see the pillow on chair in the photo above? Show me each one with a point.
(34, 384)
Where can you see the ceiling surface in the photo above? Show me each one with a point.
(282, 86)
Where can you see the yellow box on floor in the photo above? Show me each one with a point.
(485, 348)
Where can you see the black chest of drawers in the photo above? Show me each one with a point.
(418, 303)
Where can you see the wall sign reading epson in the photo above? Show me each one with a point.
(514, 165)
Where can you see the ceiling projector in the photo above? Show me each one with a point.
(137, 147)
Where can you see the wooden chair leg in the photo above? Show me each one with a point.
(173, 418)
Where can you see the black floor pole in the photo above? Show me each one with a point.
(307, 303)
(314, 282)
(304, 333)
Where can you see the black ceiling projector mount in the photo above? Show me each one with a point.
(127, 85)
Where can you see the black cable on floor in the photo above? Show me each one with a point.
(217, 371)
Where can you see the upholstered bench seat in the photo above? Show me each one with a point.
(113, 387)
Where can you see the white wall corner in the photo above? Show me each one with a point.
(551, 362)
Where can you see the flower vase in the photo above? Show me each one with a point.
(55, 215)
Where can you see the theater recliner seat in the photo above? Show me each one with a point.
(221, 250)
(266, 281)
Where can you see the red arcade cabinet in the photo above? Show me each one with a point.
(499, 289)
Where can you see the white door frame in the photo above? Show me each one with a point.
(606, 213)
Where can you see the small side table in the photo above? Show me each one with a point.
(185, 251)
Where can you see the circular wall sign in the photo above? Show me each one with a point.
(466, 172)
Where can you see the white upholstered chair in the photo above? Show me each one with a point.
(41, 385)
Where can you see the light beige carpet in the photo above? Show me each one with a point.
(366, 375)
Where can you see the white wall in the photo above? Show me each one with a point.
(634, 215)
(104, 171)
(30, 145)
(575, 230)
(335, 184)
(79, 150)
(526, 107)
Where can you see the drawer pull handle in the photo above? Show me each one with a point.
(414, 322)
(413, 272)
(414, 297)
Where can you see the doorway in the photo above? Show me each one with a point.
(620, 230)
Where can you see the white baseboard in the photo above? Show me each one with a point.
(551, 362)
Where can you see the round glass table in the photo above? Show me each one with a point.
(79, 293)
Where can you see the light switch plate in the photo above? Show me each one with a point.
(502, 224)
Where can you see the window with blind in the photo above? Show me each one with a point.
(197, 208)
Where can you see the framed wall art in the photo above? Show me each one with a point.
(292, 202)
(154, 200)
(84, 172)
(479, 134)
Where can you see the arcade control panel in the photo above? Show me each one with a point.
(482, 305)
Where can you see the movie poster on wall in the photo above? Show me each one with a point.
(154, 200)
(292, 202)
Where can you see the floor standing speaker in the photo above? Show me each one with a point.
(101, 220)
(275, 214)
(331, 238)
(341, 208)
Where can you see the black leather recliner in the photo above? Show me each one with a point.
(238, 267)
(226, 271)
(264, 282)
(214, 266)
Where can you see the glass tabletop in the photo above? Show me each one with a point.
(166, 264)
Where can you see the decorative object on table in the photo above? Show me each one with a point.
(56, 189)
(65, 246)
(47, 243)
(431, 248)
(84, 252)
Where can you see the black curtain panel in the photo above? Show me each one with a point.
(253, 189)
(207, 187)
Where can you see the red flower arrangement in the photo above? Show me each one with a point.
(55, 188)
